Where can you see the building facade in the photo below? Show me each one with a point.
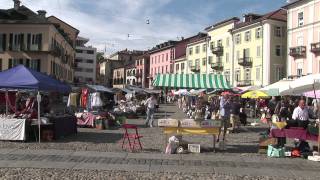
(131, 73)
(196, 55)
(180, 65)
(142, 70)
(86, 62)
(41, 43)
(259, 49)
(119, 78)
(303, 37)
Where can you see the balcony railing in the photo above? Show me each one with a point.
(245, 61)
(299, 51)
(244, 83)
(218, 51)
(218, 66)
(195, 69)
(315, 47)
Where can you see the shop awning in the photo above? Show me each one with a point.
(100, 88)
(192, 81)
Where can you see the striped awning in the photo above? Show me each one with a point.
(194, 81)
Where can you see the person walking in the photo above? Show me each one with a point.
(151, 105)
(235, 112)
(225, 107)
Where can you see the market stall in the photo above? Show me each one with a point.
(18, 78)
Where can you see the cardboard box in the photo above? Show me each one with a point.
(267, 141)
(210, 123)
(189, 123)
(168, 123)
(194, 148)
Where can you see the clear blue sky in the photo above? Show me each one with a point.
(108, 22)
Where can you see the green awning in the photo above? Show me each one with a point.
(193, 81)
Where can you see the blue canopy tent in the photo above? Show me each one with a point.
(21, 77)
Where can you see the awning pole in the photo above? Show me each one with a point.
(7, 97)
(39, 120)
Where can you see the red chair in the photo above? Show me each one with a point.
(133, 138)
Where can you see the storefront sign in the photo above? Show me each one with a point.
(12, 129)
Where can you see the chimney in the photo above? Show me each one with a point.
(16, 4)
(42, 13)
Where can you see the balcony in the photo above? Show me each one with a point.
(218, 51)
(55, 51)
(195, 69)
(245, 61)
(315, 47)
(217, 66)
(299, 51)
(244, 83)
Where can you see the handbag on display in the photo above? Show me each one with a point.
(276, 152)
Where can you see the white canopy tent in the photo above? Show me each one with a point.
(303, 85)
(275, 89)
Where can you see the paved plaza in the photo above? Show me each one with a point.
(97, 154)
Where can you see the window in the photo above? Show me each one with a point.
(278, 50)
(204, 48)
(190, 63)
(246, 52)
(219, 43)
(211, 45)
(238, 55)
(237, 75)
(167, 69)
(299, 69)
(300, 19)
(247, 36)
(228, 41)
(35, 64)
(90, 52)
(162, 57)
(158, 70)
(3, 42)
(204, 61)
(152, 60)
(258, 74)
(79, 51)
(197, 63)
(78, 60)
(182, 66)
(277, 31)
(151, 71)
(159, 59)
(227, 57)
(238, 39)
(167, 57)
(190, 50)
(258, 33)
(280, 73)
(210, 59)
(177, 67)
(162, 70)
(258, 51)
(16, 42)
(197, 49)
(247, 75)
(90, 61)
(227, 75)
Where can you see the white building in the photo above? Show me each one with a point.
(86, 62)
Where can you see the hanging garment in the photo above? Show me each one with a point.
(84, 98)
(96, 100)
(72, 100)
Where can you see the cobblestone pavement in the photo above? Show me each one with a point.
(145, 163)
(96, 154)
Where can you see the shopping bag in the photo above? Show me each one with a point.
(276, 152)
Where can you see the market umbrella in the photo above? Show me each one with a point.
(255, 94)
(276, 88)
(303, 85)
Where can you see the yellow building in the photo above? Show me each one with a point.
(220, 55)
(196, 56)
(180, 65)
(259, 49)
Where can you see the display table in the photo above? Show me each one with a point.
(13, 129)
(214, 131)
(64, 125)
(293, 133)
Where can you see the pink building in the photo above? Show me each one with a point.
(303, 37)
(163, 55)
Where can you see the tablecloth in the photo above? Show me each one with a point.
(297, 133)
(87, 119)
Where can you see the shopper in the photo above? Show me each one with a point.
(225, 107)
(235, 112)
(301, 114)
(151, 105)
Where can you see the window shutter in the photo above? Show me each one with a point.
(38, 65)
(10, 64)
(10, 41)
(22, 42)
(39, 42)
(28, 41)
(4, 41)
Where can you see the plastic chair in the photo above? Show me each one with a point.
(133, 138)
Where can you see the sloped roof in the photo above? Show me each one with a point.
(279, 15)
(22, 15)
